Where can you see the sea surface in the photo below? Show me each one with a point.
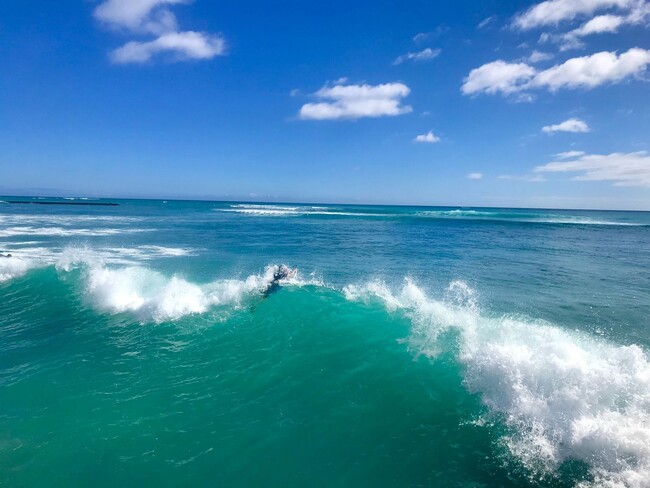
(417, 346)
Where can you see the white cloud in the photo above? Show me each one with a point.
(594, 70)
(527, 178)
(486, 22)
(552, 12)
(138, 15)
(356, 101)
(569, 154)
(154, 17)
(538, 57)
(429, 137)
(582, 72)
(606, 23)
(424, 55)
(180, 45)
(475, 176)
(624, 169)
(570, 125)
(421, 37)
(498, 76)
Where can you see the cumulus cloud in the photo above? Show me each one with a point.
(179, 45)
(570, 125)
(498, 77)
(153, 17)
(424, 55)
(552, 12)
(475, 176)
(582, 72)
(623, 169)
(429, 138)
(357, 101)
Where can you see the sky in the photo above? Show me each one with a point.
(518, 103)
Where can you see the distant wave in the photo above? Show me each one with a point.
(289, 211)
(64, 220)
(29, 255)
(508, 215)
(66, 232)
(563, 394)
(501, 215)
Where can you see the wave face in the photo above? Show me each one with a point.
(148, 343)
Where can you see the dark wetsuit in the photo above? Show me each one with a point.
(275, 283)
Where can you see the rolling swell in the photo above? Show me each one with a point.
(542, 395)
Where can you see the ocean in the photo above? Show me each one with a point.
(416, 346)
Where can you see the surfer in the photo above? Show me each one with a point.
(5, 255)
(281, 272)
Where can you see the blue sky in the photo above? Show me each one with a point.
(519, 103)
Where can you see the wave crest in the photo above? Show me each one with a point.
(152, 296)
(562, 394)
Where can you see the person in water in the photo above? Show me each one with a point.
(5, 255)
(282, 272)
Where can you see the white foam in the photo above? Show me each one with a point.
(562, 394)
(152, 296)
(14, 267)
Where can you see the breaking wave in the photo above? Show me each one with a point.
(152, 296)
(13, 267)
(563, 395)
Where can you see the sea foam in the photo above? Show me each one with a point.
(562, 394)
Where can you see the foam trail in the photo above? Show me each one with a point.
(562, 394)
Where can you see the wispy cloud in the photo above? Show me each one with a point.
(623, 169)
(538, 57)
(429, 138)
(582, 72)
(570, 125)
(424, 55)
(485, 22)
(475, 176)
(357, 101)
(421, 37)
(153, 17)
(527, 178)
(569, 154)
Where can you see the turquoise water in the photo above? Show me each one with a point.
(416, 347)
